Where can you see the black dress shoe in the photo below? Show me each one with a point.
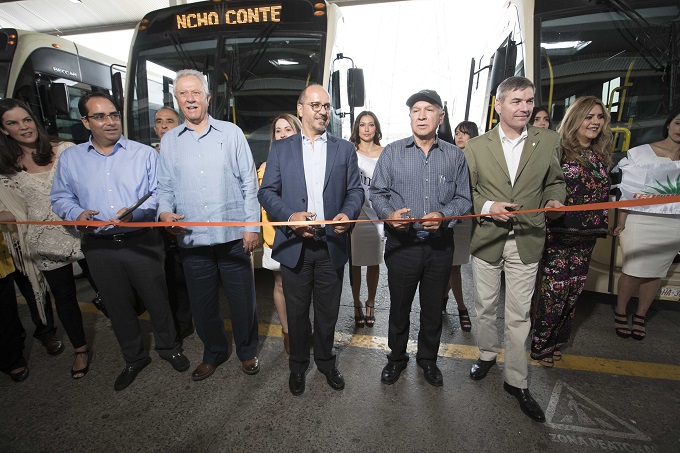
(526, 402)
(296, 383)
(334, 379)
(391, 372)
(433, 375)
(178, 361)
(53, 346)
(19, 376)
(481, 368)
(128, 375)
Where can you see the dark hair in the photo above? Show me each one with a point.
(513, 83)
(355, 129)
(10, 151)
(675, 112)
(467, 127)
(82, 108)
(538, 110)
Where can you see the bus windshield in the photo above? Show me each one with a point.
(622, 57)
(251, 79)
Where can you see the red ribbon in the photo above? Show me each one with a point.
(653, 200)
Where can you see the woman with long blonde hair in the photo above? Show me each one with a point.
(585, 155)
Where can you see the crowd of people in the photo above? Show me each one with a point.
(203, 171)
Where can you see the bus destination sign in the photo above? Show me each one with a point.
(231, 17)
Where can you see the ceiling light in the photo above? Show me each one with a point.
(577, 45)
(76, 1)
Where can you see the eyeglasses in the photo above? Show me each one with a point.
(115, 116)
(316, 106)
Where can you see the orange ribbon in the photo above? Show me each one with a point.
(653, 200)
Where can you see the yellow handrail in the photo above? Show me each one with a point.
(626, 138)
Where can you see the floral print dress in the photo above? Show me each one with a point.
(566, 258)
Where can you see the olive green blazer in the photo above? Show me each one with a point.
(539, 179)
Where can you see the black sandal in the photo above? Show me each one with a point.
(83, 371)
(464, 319)
(360, 320)
(638, 334)
(621, 320)
(370, 320)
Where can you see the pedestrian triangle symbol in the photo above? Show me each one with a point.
(570, 410)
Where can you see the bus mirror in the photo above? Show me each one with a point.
(355, 87)
(503, 65)
(117, 88)
(60, 98)
(335, 90)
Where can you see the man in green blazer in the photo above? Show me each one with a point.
(512, 167)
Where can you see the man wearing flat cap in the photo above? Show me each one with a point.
(419, 177)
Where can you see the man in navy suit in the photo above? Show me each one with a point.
(312, 176)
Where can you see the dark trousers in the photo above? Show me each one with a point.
(11, 331)
(63, 287)
(122, 267)
(313, 279)
(42, 330)
(177, 286)
(204, 267)
(411, 263)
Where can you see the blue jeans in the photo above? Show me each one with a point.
(203, 269)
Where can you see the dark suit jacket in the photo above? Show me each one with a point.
(284, 192)
(539, 179)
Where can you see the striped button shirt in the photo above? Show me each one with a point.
(405, 177)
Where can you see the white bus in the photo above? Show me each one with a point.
(257, 57)
(50, 74)
(625, 52)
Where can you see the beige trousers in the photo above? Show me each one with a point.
(520, 280)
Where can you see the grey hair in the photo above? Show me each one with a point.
(512, 84)
(191, 72)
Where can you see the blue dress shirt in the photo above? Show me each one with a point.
(86, 179)
(208, 178)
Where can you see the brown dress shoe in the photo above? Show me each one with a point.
(203, 371)
(251, 366)
(286, 342)
(53, 346)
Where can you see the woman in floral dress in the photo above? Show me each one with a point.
(585, 142)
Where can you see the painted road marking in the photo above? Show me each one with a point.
(570, 410)
(467, 352)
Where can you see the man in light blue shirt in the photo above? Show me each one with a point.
(99, 179)
(206, 173)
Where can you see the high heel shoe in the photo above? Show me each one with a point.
(370, 320)
(621, 320)
(359, 320)
(638, 334)
(79, 374)
(464, 319)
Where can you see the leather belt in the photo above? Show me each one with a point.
(120, 237)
